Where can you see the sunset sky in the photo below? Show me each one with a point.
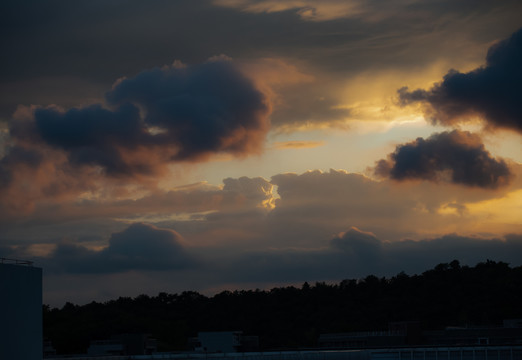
(172, 145)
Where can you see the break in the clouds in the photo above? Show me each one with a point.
(139, 247)
(493, 91)
(457, 156)
(160, 116)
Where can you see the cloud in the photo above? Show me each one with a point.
(18, 156)
(170, 115)
(201, 109)
(493, 91)
(357, 242)
(360, 255)
(314, 204)
(235, 246)
(410, 36)
(356, 254)
(298, 144)
(414, 256)
(326, 10)
(93, 136)
(140, 247)
(183, 113)
(299, 98)
(457, 156)
(249, 192)
(192, 201)
(307, 10)
(290, 210)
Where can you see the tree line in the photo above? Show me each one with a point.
(293, 317)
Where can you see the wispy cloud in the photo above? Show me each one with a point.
(298, 144)
(306, 9)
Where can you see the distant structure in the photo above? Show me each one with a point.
(409, 333)
(224, 342)
(123, 344)
(512, 323)
(48, 349)
(510, 333)
(399, 334)
(20, 310)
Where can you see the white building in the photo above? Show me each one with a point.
(20, 310)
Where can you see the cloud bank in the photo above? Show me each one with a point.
(493, 91)
(356, 253)
(139, 247)
(349, 254)
(457, 156)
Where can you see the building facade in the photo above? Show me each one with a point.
(20, 310)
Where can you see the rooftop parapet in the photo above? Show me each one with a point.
(15, 261)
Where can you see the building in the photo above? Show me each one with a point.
(361, 340)
(399, 334)
(48, 349)
(123, 344)
(20, 310)
(509, 334)
(224, 342)
(409, 333)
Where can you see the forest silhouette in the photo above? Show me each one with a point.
(294, 317)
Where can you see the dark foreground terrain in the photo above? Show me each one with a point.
(288, 317)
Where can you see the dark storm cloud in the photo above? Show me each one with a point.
(92, 135)
(493, 91)
(139, 247)
(188, 114)
(206, 108)
(459, 155)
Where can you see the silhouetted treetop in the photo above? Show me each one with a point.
(450, 294)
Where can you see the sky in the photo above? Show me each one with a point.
(215, 145)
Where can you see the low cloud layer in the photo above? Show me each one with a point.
(493, 91)
(139, 247)
(350, 254)
(415, 256)
(357, 253)
(457, 156)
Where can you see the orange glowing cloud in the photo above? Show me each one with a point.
(298, 144)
